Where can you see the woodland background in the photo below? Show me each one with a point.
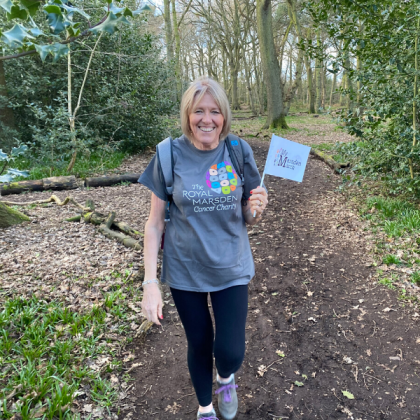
(89, 81)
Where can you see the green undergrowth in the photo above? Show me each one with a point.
(86, 165)
(52, 355)
(395, 224)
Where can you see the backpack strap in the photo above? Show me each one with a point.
(165, 159)
(236, 153)
(166, 164)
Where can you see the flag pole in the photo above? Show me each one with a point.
(261, 184)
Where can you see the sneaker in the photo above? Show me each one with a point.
(207, 416)
(228, 400)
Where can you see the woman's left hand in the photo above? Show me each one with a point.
(258, 201)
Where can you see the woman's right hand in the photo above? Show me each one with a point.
(152, 303)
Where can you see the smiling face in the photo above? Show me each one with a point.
(206, 123)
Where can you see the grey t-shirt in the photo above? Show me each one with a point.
(206, 242)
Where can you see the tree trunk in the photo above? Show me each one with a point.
(168, 30)
(318, 74)
(271, 68)
(178, 74)
(10, 217)
(334, 81)
(296, 84)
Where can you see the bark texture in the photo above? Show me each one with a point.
(271, 68)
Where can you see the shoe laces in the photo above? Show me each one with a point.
(226, 389)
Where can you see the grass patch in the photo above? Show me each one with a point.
(50, 354)
(397, 217)
(391, 259)
(97, 162)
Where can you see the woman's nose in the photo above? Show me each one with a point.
(207, 117)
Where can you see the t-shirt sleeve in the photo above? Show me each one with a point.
(251, 174)
(152, 178)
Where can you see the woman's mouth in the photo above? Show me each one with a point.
(207, 129)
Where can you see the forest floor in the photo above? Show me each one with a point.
(325, 340)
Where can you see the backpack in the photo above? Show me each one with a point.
(165, 157)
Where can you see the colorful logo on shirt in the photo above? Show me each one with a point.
(222, 178)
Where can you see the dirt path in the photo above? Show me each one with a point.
(313, 301)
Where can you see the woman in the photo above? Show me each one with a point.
(207, 248)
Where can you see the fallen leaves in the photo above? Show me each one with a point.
(348, 395)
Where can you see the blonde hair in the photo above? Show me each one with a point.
(194, 93)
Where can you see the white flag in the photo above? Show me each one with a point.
(286, 159)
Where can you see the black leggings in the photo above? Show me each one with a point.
(230, 308)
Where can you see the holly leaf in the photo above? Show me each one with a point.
(3, 156)
(36, 31)
(113, 8)
(17, 13)
(31, 6)
(144, 8)
(43, 51)
(57, 23)
(16, 151)
(6, 5)
(6, 178)
(15, 36)
(59, 50)
(110, 24)
(53, 8)
(15, 172)
(71, 10)
(348, 394)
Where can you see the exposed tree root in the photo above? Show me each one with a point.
(54, 198)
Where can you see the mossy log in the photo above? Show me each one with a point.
(21, 186)
(106, 181)
(53, 183)
(10, 217)
(329, 160)
(105, 229)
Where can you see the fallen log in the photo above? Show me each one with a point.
(106, 181)
(97, 218)
(328, 159)
(105, 229)
(21, 186)
(53, 183)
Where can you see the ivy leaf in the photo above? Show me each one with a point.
(6, 5)
(110, 24)
(16, 151)
(348, 394)
(15, 36)
(3, 156)
(297, 383)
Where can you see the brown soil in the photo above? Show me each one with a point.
(313, 300)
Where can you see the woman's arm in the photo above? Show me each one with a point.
(152, 298)
(256, 203)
